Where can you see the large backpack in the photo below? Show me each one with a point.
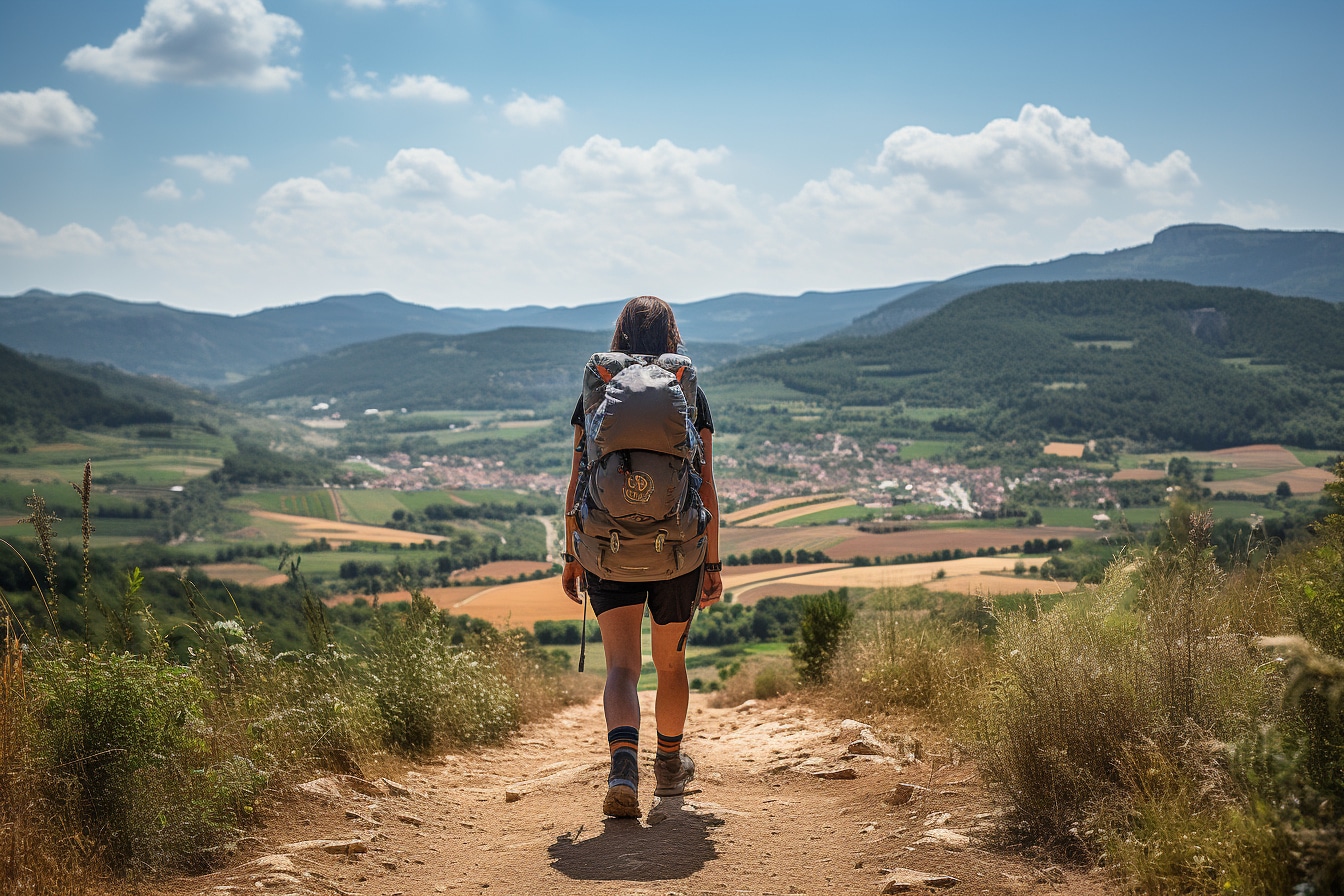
(638, 511)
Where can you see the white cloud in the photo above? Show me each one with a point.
(19, 240)
(665, 178)
(164, 190)
(228, 42)
(1042, 158)
(45, 114)
(382, 4)
(355, 86)
(1250, 215)
(606, 219)
(1035, 187)
(528, 112)
(434, 172)
(213, 167)
(427, 87)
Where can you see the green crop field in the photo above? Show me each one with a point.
(923, 449)
(853, 513)
(309, 502)
(1310, 457)
(371, 506)
(447, 437)
(929, 414)
(761, 394)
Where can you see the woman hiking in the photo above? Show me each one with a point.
(686, 559)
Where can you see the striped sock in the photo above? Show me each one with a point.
(668, 744)
(624, 743)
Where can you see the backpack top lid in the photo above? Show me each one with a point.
(638, 402)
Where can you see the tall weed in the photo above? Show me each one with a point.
(901, 657)
(1109, 719)
(823, 622)
(114, 755)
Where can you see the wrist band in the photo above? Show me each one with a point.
(713, 567)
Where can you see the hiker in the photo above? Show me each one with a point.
(642, 528)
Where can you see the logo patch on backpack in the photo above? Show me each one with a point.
(638, 487)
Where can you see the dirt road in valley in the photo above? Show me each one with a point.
(780, 806)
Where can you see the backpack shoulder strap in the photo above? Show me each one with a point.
(683, 369)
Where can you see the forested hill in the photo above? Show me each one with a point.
(1286, 263)
(39, 402)
(1198, 367)
(510, 368)
(211, 349)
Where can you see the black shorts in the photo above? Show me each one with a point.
(670, 600)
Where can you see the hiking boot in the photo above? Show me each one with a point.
(672, 773)
(622, 800)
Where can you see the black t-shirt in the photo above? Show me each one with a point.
(703, 418)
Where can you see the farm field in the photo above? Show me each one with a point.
(300, 529)
(737, 516)
(375, 506)
(443, 598)
(1252, 469)
(818, 511)
(244, 573)
(812, 581)
(923, 449)
(510, 431)
(845, 542)
(526, 603)
(314, 502)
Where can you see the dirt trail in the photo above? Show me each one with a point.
(525, 818)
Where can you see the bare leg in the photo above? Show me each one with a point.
(622, 645)
(674, 694)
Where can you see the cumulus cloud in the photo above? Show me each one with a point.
(434, 172)
(427, 87)
(45, 114)
(1038, 186)
(528, 112)
(19, 240)
(164, 190)
(664, 179)
(213, 167)
(383, 4)
(1042, 158)
(231, 42)
(356, 86)
(606, 218)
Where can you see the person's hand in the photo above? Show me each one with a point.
(712, 589)
(569, 580)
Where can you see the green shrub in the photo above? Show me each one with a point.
(431, 691)
(130, 754)
(902, 659)
(1108, 719)
(822, 623)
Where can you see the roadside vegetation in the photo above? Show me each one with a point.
(129, 747)
(1180, 722)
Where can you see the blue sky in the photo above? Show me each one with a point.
(232, 154)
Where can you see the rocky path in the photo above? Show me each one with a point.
(787, 801)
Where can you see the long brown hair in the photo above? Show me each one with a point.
(646, 326)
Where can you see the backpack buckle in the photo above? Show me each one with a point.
(660, 540)
(615, 541)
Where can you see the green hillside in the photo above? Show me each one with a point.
(39, 402)
(1158, 362)
(1287, 263)
(515, 368)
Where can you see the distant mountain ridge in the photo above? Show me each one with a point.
(1158, 362)
(212, 349)
(1286, 263)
